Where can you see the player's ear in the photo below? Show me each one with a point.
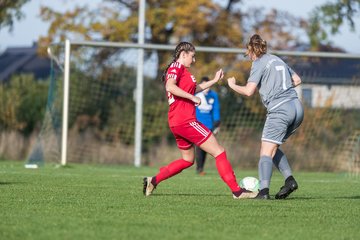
(183, 54)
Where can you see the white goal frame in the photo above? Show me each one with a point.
(139, 83)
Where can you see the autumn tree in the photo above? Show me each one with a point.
(202, 22)
(10, 10)
(327, 19)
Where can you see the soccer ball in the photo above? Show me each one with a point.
(250, 183)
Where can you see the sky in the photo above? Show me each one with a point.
(28, 30)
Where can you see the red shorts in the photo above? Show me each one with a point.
(190, 133)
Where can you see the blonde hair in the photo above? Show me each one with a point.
(256, 45)
(182, 46)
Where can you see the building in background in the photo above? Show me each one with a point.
(330, 82)
(23, 60)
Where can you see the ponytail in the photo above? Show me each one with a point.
(183, 46)
(256, 45)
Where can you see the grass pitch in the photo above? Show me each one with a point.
(106, 202)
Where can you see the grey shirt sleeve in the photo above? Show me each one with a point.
(256, 72)
(292, 72)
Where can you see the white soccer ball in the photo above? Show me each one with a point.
(250, 183)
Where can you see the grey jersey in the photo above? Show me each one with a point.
(274, 80)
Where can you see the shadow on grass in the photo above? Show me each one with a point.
(272, 198)
(317, 198)
(10, 183)
(67, 166)
(348, 197)
(187, 194)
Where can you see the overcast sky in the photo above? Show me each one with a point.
(31, 27)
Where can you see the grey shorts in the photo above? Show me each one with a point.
(283, 121)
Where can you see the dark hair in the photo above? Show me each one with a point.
(183, 46)
(205, 79)
(256, 45)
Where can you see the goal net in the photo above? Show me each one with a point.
(101, 113)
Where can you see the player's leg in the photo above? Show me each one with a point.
(275, 128)
(280, 159)
(265, 168)
(224, 168)
(187, 152)
(170, 170)
(282, 164)
(176, 166)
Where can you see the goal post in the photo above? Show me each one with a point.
(65, 103)
(139, 90)
(139, 85)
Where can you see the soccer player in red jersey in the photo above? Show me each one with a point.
(181, 87)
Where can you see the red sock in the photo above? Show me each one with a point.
(172, 169)
(226, 172)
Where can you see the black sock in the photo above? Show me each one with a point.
(153, 181)
(289, 179)
(238, 193)
(264, 191)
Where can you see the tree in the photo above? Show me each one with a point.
(22, 103)
(10, 11)
(328, 18)
(168, 22)
(277, 27)
(202, 22)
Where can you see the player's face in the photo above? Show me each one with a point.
(189, 58)
(252, 56)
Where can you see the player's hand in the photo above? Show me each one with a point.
(196, 100)
(216, 130)
(219, 75)
(231, 81)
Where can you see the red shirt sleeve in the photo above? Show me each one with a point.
(175, 71)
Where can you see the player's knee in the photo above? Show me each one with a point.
(190, 160)
(268, 151)
(216, 151)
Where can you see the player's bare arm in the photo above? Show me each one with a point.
(204, 85)
(175, 90)
(296, 80)
(247, 90)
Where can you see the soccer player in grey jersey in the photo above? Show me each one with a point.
(275, 81)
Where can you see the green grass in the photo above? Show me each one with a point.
(106, 202)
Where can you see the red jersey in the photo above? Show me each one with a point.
(181, 110)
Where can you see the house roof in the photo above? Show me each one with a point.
(330, 71)
(16, 60)
(319, 70)
(325, 70)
